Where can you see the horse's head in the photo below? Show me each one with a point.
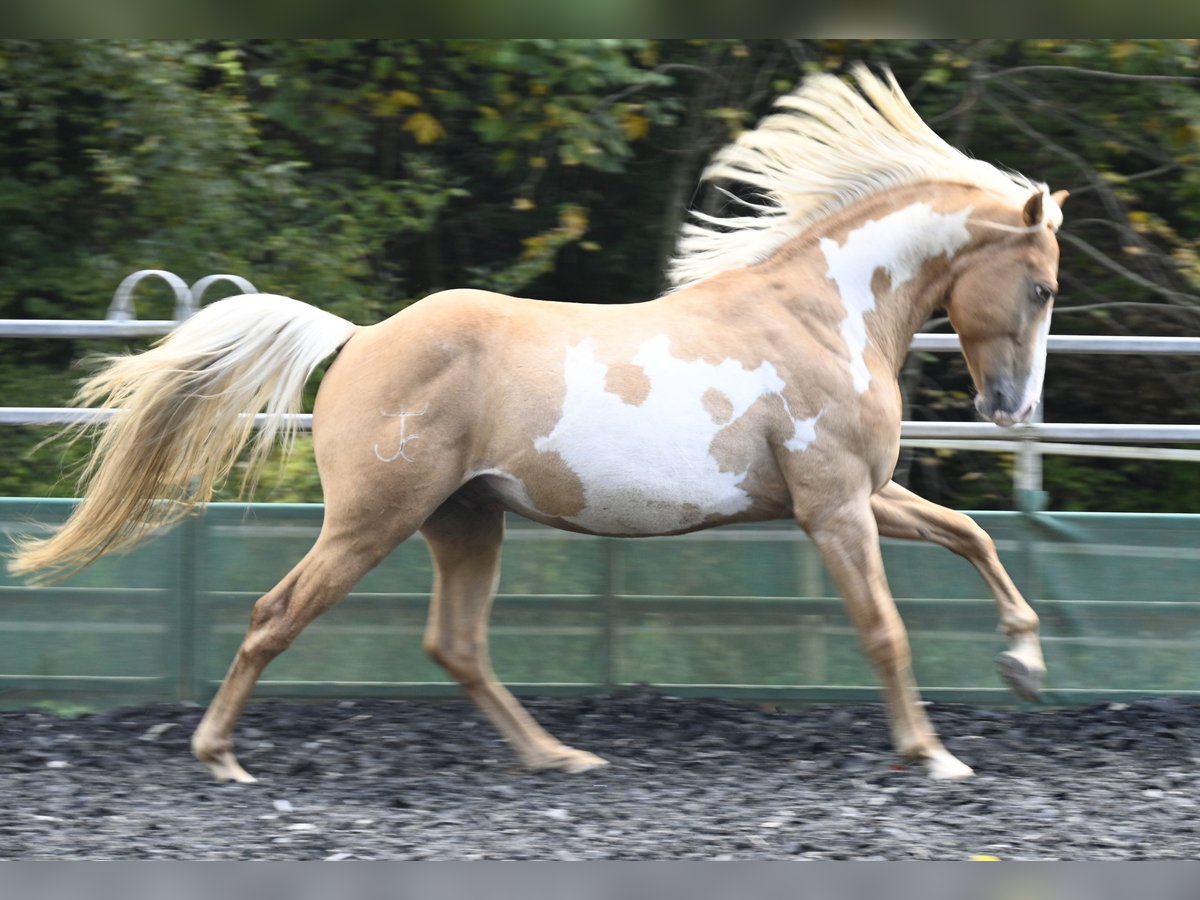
(1000, 303)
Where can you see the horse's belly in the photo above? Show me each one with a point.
(636, 502)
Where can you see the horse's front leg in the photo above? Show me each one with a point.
(902, 514)
(846, 536)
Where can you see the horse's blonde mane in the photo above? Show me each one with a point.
(826, 149)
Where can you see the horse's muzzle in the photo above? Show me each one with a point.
(1003, 405)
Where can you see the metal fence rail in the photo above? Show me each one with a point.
(1079, 343)
(121, 319)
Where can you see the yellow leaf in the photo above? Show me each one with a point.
(573, 220)
(391, 104)
(522, 203)
(1122, 50)
(635, 126)
(424, 127)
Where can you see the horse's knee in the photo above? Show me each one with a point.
(973, 542)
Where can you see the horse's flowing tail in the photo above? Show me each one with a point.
(186, 413)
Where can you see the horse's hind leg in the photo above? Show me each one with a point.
(902, 514)
(318, 582)
(465, 544)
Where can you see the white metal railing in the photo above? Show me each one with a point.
(1030, 441)
(1037, 439)
(121, 321)
(979, 435)
(1080, 343)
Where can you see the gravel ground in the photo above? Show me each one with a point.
(689, 779)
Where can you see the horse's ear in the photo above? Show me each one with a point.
(1060, 197)
(1032, 213)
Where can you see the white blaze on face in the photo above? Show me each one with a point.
(1037, 370)
(899, 244)
(648, 469)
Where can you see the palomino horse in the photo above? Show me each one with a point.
(764, 386)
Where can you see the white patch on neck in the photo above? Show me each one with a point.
(899, 244)
(648, 469)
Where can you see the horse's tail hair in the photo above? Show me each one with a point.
(184, 412)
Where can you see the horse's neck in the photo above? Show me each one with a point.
(881, 267)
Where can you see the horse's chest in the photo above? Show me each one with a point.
(664, 444)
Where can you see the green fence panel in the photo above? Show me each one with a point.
(114, 633)
(746, 611)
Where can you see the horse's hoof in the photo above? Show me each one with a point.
(569, 760)
(225, 768)
(943, 765)
(1024, 680)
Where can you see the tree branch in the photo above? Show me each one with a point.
(1116, 209)
(1113, 266)
(1064, 113)
(605, 102)
(1137, 176)
(1092, 73)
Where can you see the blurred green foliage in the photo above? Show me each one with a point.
(360, 175)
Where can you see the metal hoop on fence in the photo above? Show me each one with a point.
(121, 309)
(187, 300)
(208, 281)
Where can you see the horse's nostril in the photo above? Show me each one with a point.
(999, 402)
(1002, 398)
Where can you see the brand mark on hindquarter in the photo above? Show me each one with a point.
(405, 438)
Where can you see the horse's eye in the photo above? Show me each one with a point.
(1044, 294)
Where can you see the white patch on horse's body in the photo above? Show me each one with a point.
(649, 468)
(805, 434)
(403, 416)
(898, 243)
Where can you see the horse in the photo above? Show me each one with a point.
(762, 385)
